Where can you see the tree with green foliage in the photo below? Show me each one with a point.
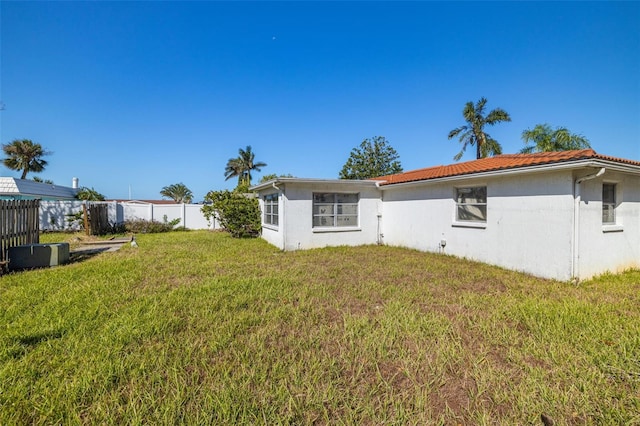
(237, 213)
(542, 138)
(374, 157)
(272, 176)
(242, 166)
(24, 155)
(40, 180)
(89, 194)
(178, 192)
(473, 132)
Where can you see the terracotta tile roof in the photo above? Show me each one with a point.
(499, 162)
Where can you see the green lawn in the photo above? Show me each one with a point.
(199, 328)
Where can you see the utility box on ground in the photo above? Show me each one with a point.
(38, 255)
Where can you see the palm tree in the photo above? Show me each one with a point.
(23, 154)
(234, 169)
(242, 166)
(178, 192)
(89, 194)
(473, 132)
(544, 139)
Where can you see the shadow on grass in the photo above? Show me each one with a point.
(82, 255)
(20, 345)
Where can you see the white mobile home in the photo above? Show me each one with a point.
(24, 189)
(557, 215)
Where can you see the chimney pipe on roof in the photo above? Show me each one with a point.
(74, 183)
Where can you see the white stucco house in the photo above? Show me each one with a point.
(559, 215)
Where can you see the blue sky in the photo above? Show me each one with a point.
(133, 96)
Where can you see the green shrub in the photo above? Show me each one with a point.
(75, 220)
(143, 226)
(238, 213)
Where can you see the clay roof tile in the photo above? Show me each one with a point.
(499, 162)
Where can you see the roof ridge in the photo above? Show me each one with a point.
(588, 152)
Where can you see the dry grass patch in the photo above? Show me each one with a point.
(200, 328)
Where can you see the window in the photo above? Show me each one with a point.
(271, 209)
(335, 210)
(609, 203)
(471, 204)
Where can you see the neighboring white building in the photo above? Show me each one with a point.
(23, 189)
(560, 215)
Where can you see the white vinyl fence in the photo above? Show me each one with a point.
(54, 214)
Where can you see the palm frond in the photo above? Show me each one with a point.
(497, 115)
(455, 132)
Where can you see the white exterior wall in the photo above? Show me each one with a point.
(528, 228)
(538, 221)
(295, 206)
(603, 247)
(273, 234)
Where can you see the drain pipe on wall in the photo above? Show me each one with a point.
(379, 234)
(575, 267)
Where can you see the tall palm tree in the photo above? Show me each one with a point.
(544, 139)
(242, 166)
(23, 154)
(473, 132)
(178, 192)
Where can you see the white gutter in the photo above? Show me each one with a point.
(592, 176)
(575, 251)
(379, 234)
(346, 182)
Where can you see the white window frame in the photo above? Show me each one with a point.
(335, 212)
(608, 206)
(269, 217)
(614, 223)
(460, 205)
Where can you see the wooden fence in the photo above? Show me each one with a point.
(98, 219)
(19, 224)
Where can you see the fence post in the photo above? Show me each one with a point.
(19, 224)
(86, 219)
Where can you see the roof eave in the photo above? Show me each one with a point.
(279, 181)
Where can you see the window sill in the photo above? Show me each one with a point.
(612, 228)
(271, 227)
(476, 225)
(337, 229)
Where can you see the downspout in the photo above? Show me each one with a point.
(379, 234)
(281, 223)
(575, 252)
